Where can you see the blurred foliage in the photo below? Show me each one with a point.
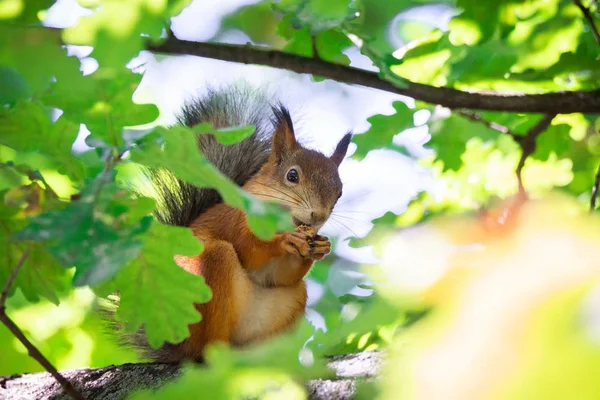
(499, 303)
(514, 299)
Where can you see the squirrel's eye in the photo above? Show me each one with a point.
(293, 176)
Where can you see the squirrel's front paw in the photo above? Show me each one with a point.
(320, 247)
(305, 243)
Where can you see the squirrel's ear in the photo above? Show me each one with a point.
(284, 139)
(340, 150)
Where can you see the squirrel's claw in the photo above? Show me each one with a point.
(321, 247)
(302, 244)
(297, 243)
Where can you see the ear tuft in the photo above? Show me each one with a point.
(340, 150)
(282, 117)
(284, 139)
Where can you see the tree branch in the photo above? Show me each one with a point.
(12, 277)
(528, 143)
(595, 191)
(555, 103)
(588, 16)
(119, 382)
(33, 351)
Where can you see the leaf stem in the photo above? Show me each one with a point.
(32, 350)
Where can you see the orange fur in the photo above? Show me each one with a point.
(257, 286)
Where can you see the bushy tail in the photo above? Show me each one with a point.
(178, 202)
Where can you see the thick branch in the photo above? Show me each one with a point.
(33, 351)
(118, 382)
(590, 19)
(555, 103)
(528, 145)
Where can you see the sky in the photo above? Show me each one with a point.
(322, 112)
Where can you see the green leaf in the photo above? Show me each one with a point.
(383, 129)
(158, 294)
(129, 23)
(434, 50)
(234, 134)
(24, 11)
(377, 312)
(114, 110)
(515, 122)
(449, 138)
(299, 40)
(258, 21)
(577, 70)
(192, 380)
(376, 20)
(331, 44)
(555, 139)
(39, 276)
(104, 104)
(91, 233)
(22, 50)
(181, 156)
(477, 22)
(493, 60)
(386, 62)
(318, 15)
(28, 128)
(228, 135)
(13, 86)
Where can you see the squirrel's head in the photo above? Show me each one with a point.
(304, 181)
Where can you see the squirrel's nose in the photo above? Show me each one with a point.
(317, 217)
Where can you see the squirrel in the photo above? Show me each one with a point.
(257, 286)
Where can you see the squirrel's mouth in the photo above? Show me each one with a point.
(298, 222)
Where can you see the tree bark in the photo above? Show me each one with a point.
(116, 382)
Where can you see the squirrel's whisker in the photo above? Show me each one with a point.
(285, 201)
(352, 211)
(342, 228)
(342, 224)
(359, 196)
(303, 200)
(280, 191)
(350, 218)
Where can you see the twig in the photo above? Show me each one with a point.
(33, 351)
(595, 191)
(555, 103)
(315, 50)
(588, 15)
(490, 124)
(528, 143)
(12, 277)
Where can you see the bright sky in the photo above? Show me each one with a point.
(322, 112)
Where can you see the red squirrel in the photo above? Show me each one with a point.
(257, 286)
